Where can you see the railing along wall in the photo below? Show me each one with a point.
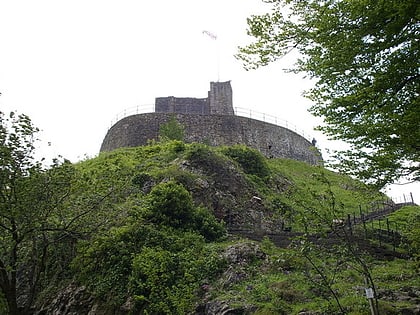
(239, 111)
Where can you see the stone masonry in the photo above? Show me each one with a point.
(211, 121)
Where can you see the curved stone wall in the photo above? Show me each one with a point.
(271, 140)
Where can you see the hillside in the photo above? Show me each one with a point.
(175, 228)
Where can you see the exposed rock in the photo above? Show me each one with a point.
(76, 300)
(217, 307)
(72, 300)
(238, 256)
(225, 308)
(243, 253)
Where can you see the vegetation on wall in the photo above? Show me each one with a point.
(172, 130)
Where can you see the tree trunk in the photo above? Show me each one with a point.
(12, 303)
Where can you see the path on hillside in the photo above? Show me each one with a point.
(335, 236)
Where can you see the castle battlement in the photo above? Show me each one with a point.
(218, 102)
(212, 121)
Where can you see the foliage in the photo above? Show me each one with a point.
(407, 219)
(166, 282)
(172, 130)
(32, 209)
(364, 56)
(172, 205)
(252, 161)
(133, 224)
(285, 282)
(158, 266)
(44, 211)
(3, 304)
(205, 157)
(158, 253)
(315, 195)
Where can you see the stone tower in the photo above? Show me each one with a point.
(220, 98)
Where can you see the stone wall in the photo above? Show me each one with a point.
(182, 105)
(271, 140)
(218, 102)
(220, 98)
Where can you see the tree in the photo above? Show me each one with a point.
(31, 211)
(364, 56)
(172, 130)
(170, 204)
(335, 248)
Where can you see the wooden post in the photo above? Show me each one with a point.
(394, 242)
(349, 223)
(412, 199)
(379, 233)
(364, 225)
(373, 230)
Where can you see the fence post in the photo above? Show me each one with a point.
(412, 199)
(379, 233)
(349, 223)
(394, 241)
(364, 225)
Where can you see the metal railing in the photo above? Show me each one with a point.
(239, 111)
(249, 113)
(134, 110)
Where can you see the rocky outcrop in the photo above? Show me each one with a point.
(238, 256)
(72, 300)
(76, 300)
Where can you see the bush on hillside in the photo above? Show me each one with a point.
(251, 161)
(161, 268)
(170, 204)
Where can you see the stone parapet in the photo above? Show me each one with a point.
(271, 140)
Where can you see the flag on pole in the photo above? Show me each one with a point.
(210, 34)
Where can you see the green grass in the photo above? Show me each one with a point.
(305, 196)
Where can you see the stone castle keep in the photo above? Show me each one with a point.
(212, 121)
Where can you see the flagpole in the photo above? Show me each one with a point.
(214, 37)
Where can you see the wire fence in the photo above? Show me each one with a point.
(239, 111)
(405, 198)
(369, 222)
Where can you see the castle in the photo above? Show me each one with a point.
(218, 102)
(211, 120)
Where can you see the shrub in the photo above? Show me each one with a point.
(172, 130)
(160, 267)
(172, 205)
(160, 282)
(104, 265)
(208, 226)
(251, 161)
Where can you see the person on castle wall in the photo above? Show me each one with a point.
(313, 141)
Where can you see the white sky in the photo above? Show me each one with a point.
(72, 66)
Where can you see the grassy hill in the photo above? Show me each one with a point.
(175, 228)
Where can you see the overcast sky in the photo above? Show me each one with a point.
(72, 66)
